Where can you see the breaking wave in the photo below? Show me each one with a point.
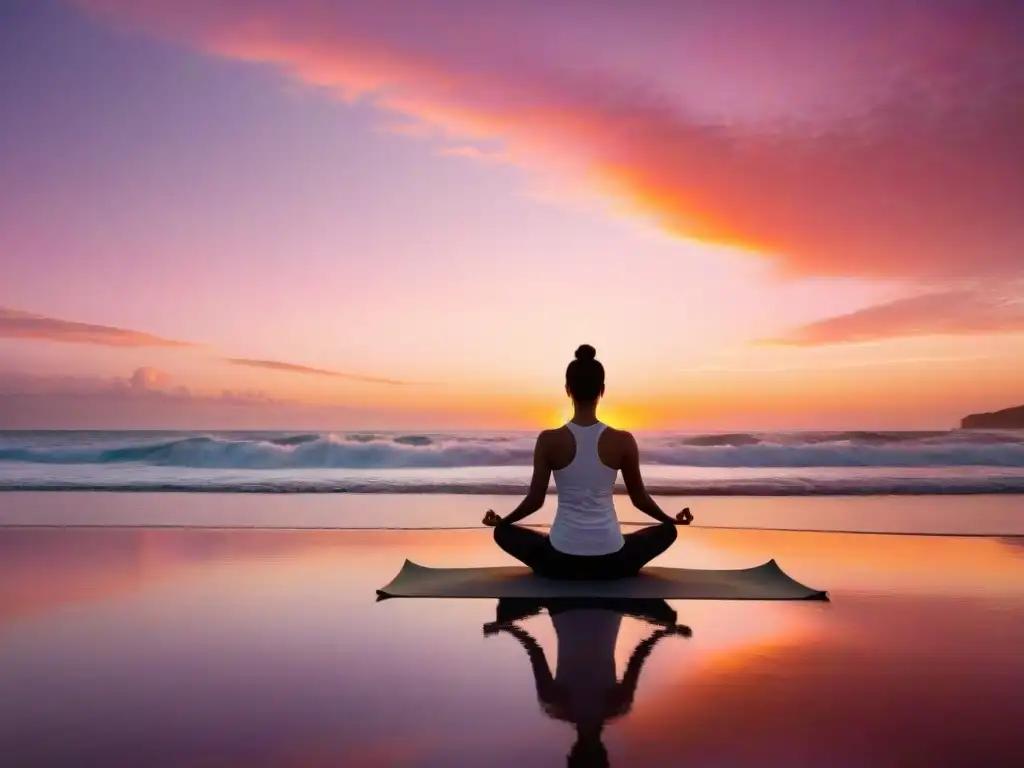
(407, 451)
(739, 486)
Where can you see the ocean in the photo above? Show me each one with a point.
(498, 463)
(228, 628)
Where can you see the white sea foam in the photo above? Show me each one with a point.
(403, 451)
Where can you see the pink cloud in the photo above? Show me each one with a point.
(24, 325)
(274, 365)
(148, 378)
(15, 324)
(902, 154)
(148, 400)
(946, 313)
(145, 385)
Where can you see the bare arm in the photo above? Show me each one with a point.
(631, 677)
(636, 664)
(635, 483)
(542, 678)
(538, 492)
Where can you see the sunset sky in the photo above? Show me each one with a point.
(332, 214)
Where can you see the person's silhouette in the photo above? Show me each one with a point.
(584, 690)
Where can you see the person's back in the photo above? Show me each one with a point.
(585, 457)
(585, 521)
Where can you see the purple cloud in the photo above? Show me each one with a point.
(15, 324)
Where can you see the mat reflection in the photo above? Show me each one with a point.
(585, 690)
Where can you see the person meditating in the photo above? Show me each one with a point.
(585, 541)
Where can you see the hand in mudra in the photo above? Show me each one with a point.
(493, 628)
(685, 517)
(492, 518)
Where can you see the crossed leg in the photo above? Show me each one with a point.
(528, 546)
(644, 545)
(533, 549)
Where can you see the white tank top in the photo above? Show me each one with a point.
(585, 521)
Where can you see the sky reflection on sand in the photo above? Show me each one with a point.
(956, 515)
(267, 648)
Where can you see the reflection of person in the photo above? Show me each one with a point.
(585, 456)
(584, 690)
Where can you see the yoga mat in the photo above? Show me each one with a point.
(765, 582)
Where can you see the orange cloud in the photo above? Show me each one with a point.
(15, 324)
(946, 313)
(274, 365)
(914, 175)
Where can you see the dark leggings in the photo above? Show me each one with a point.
(534, 549)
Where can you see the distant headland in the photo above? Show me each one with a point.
(1008, 418)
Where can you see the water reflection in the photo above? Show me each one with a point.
(585, 691)
(221, 648)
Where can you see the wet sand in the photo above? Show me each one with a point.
(127, 646)
(1000, 514)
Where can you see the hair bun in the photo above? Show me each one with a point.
(585, 352)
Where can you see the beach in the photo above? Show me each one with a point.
(298, 297)
(258, 640)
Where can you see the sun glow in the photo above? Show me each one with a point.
(618, 415)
